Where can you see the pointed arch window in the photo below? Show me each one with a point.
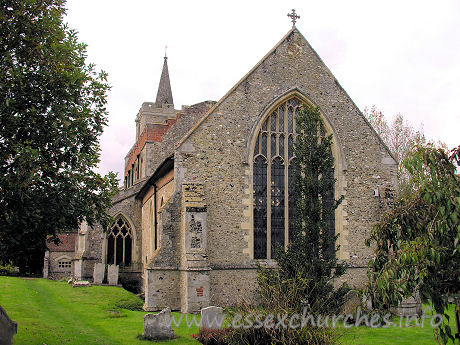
(273, 181)
(120, 242)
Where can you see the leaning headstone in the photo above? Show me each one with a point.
(8, 328)
(98, 274)
(80, 283)
(158, 326)
(212, 317)
(112, 274)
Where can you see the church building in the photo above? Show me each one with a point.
(208, 188)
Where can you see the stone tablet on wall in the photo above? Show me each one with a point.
(195, 216)
(195, 231)
(193, 197)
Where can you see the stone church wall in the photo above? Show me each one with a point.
(126, 204)
(95, 247)
(54, 271)
(227, 288)
(218, 155)
(162, 279)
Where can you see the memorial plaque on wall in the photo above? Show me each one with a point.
(195, 216)
(193, 196)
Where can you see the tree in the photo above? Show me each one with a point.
(52, 111)
(310, 259)
(399, 136)
(418, 242)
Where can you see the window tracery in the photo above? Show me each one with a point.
(120, 242)
(273, 181)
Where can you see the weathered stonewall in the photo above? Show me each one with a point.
(8, 328)
(212, 317)
(158, 326)
(112, 274)
(99, 273)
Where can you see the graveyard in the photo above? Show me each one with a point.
(258, 195)
(54, 312)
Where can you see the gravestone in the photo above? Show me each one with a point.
(158, 326)
(80, 283)
(99, 273)
(411, 306)
(46, 261)
(212, 317)
(112, 274)
(8, 328)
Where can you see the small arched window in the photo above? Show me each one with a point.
(273, 180)
(120, 242)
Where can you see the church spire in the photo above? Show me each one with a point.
(164, 95)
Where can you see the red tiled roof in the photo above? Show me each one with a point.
(67, 243)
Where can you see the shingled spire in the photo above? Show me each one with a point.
(164, 95)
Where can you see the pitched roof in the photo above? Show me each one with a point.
(246, 76)
(220, 101)
(164, 150)
(164, 94)
(162, 170)
(67, 243)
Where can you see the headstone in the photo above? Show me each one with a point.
(411, 306)
(212, 317)
(8, 328)
(112, 274)
(80, 283)
(98, 274)
(46, 264)
(78, 269)
(158, 326)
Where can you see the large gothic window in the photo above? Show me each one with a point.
(273, 181)
(120, 243)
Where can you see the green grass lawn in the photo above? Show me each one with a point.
(50, 312)
(412, 334)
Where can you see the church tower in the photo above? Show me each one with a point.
(152, 122)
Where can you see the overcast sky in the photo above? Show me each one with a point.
(402, 56)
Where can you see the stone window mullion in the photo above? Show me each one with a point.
(269, 188)
(120, 251)
(124, 249)
(286, 179)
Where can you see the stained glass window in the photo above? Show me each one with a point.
(274, 166)
(260, 207)
(277, 204)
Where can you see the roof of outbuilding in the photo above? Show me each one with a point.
(67, 243)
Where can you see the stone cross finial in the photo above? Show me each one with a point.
(293, 17)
